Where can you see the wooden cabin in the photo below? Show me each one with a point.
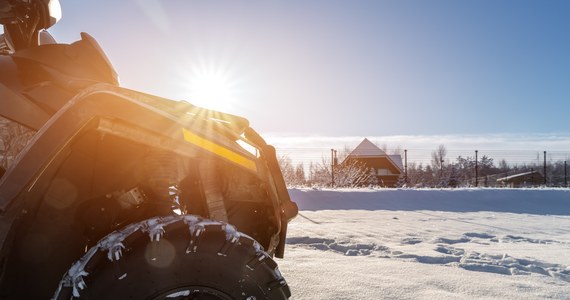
(388, 168)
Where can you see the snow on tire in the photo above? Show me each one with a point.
(175, 257)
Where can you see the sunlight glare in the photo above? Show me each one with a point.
(211, 87)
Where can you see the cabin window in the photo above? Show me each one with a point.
(383, 172)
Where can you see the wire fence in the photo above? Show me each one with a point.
(546, 168)
(424, 156)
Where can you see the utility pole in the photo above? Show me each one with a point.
(544, 168)
(333, 163)
(565, 175)
(406, 166)
(476, 170)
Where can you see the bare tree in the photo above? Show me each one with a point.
(300, 175)
(293, 175)
(286, 169)
(354, 173)
(347, 173)
(320, 173)
(438, 159)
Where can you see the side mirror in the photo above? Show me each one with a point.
(45, 12)
(24, 19)
(51, 13)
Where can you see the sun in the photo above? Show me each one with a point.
(211, 87)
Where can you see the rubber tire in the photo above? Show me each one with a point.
(216, 263)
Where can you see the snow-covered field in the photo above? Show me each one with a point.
(429, 244)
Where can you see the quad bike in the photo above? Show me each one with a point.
(109, 193)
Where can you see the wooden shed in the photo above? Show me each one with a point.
(388, 168)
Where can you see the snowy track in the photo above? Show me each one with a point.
(503, 245)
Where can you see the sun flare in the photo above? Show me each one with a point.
(211, 87)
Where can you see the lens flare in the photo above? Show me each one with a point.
(211, 87)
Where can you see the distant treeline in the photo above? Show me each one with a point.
(441, 171)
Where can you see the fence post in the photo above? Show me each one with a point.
(406, 166)
(565, 175)
(544, 168)
(332, 167)
(476, 170)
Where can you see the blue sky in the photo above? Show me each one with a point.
(346, 68)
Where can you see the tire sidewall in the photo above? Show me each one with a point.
(148, 268)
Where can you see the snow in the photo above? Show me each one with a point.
(426, 244)
(179, 294)
(367, 148)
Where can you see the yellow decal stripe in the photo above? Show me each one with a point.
(219, 150)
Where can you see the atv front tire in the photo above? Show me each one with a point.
(175, 257)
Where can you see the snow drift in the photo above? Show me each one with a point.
(410, 244)
(529, 201)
